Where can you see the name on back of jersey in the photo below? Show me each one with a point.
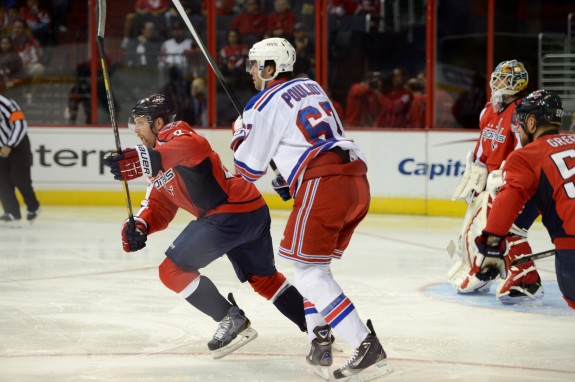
(300, 91)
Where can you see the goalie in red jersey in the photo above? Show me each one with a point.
(478, 186)
(232, 218)
(542, 171)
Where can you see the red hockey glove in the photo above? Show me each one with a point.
(491, 256)
(134, 238)
(130, 164)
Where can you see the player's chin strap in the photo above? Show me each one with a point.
(266, 80)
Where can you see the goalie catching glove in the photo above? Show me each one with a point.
(134, 237)
(491, 257)
(133, 163)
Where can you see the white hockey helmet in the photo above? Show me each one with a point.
(509, 77)
(275, 49)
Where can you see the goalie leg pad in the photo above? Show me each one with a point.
(462, 274)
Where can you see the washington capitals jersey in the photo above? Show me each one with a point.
(544, 170)
(192, 177)
(498, 138)
(290, 122)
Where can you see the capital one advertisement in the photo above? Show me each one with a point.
(401, 164)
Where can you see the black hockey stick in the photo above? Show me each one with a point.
(111, 108)
(534, 256)
(215, 67)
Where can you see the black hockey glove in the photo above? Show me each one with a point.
(281, 187)
(493, 249)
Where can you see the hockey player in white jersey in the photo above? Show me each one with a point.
(293, 123)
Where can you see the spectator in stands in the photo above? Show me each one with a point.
(362, 103)
(417, 109)
(11, 67)
(199, 101)
(191, 7)
(232, 59)
(10, 15)
(60, 9)
(223, 7)
(251, 23)
(146, 10)
(395, 104)
(38, 20)
(144, 50)
(176, 51)
(177, 90)
(470, 102)
(305, 53)
(281, 21)
(341, 8)
(28, 48)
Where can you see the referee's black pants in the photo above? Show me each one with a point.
(15, 172)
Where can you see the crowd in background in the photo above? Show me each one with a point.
(26, 27)
(374, 80)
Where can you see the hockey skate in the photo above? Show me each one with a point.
(367, 362)
(233, 332)
(320, 353)
(8, 220)
(32, 215)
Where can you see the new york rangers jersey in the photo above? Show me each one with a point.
(499, 136)
(545, 171)
(299, 115)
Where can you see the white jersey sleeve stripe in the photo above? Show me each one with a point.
(246, 172)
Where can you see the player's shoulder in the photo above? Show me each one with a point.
(272, 94)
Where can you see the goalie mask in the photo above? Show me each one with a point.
(508, 78)
(275, 49)
(545, 106)
(151, 108)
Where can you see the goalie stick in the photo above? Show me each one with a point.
(534, 256)
(214, 67)
(111, 108)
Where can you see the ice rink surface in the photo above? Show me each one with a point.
(74, 307)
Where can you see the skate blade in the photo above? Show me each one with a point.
(321, 371)
(243, 338)
(375, 371)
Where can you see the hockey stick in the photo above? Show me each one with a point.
(534, 256)
(111, 108)
(215, 67)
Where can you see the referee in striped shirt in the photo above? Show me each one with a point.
(15, 163)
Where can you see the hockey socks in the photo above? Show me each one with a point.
(290, 304)
(207, 299)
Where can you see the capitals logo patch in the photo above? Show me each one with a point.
(163, 180)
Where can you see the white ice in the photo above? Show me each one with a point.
(74, 307)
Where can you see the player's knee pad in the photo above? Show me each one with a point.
(177, 279)
(268, 286)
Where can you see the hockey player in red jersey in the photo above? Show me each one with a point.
(293, 121)
(542, 171)
(478, 185)
(232, 218)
